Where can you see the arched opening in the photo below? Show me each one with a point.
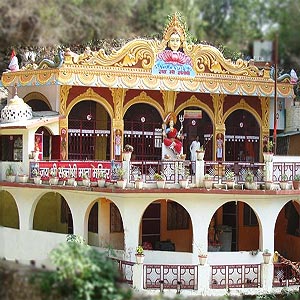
(53, 214)
(89, 131)
(193, 127)
(230, 224)
(142, 130)
(111, 232)
(287, 231)
(242, 137)
(43, 143)
(37, 101)
(166, 226)
(9, 216)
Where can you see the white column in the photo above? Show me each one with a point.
(137, 276)
(267, 276)
(203, 278)
(199, 172)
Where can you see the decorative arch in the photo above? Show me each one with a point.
(144, 98)
(91, 95)
(245, 106)
(37, 96)
(194, 101)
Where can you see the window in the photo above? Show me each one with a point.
(116, 224)
(250, 218)
(93, 219)
(11, 147)
(177, 216)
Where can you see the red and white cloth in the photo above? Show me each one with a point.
(14, 62)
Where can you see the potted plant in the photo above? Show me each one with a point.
(160, 180)
(10, 174)
(268, 151)
(139, 182)
(139, 254)
(230, 179)
(202, 258)
(200, 153)
(101, 178)
(266, 256)
(53, 180)
(23, 178)
(296, 182)
(121, 181)
(184, 181)
(86, 180)
(284, 183)
(208, 181)
(250, 184)
(128, 149)
(36, 176)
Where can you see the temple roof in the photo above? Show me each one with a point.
(201, 68)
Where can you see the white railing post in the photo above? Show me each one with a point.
(199, 173)
(137, 276)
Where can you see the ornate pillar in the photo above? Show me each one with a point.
(264, 133)
(117, 123)
(63, 122)
(219, 131)
(169, 98)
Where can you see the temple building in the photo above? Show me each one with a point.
(73, 128)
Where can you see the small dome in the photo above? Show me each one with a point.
(16, 110)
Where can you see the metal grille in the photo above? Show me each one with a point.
(235, 276)
(170, 277)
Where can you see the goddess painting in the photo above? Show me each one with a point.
(173, 60)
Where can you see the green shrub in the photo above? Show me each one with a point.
(82, 273)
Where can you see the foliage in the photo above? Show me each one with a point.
(120, 173)
(266, 251)
(82, 273)
(235, 24)
(159, 176)
(284, 177)
(269, 146)
(249, 176)
(230, 176)
(128, 148)
(297, 177)
(208, 177)
(10, 171)
(139, 250)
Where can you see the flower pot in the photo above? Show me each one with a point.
(184, 183)
(101, 183)
(139, 184)
(86, 182)
(200, 155)
(53, 180)
(71, 181)
(11, 178)
(208, 183)
(121, 184)
(284, 185)
(251, 185)
(127, 156)
(37, 180)
(230, 184)
(23, 178)
(296, 185)
(202, 259)
(266, 258)
(268, 185)
(160, 184)
(139, 258)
